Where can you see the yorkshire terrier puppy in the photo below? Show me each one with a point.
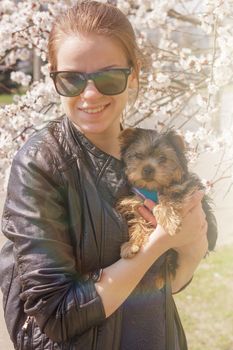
(157, 162)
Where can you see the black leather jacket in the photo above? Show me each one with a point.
(62, 228)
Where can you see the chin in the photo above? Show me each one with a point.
(97, 128)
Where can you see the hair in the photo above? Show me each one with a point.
(93, 17)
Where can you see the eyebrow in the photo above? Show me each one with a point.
(100, 69)
(111, 66)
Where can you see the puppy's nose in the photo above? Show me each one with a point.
(148, 172)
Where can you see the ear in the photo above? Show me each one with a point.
(176, 140)
(133, 81)
(126, 137)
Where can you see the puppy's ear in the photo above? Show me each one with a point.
(126, 137)
(176, 140)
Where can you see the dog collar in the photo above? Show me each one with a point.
(146, 194)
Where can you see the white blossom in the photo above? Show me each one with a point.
(180, 83)
(21, 78)
(202, 118)
(163, 78)
(7, 6)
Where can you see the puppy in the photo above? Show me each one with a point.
(157, 162)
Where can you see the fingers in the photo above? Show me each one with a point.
(196, 217)
(192, 201)
(192, 207)
(147, 215)
(148, 203)
(189, 203)
(196, 213)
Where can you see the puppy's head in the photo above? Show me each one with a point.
(153, 160)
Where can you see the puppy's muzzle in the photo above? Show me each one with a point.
(148, 172)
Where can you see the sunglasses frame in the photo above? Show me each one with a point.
(91, 77)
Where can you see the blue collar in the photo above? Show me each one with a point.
(146, 194)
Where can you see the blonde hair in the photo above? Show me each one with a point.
(95, 18)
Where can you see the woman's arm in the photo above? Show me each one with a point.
(119, 279)
(191, 254)
(36, 219)
(189, 257)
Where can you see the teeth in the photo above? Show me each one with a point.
(94, 110)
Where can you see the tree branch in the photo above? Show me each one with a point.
(184, 18)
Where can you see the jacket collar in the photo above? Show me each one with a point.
(107, 170)
(82, 141)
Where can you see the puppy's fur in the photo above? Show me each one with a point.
(157, 161)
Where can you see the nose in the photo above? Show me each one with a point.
(148, 172)
(90, 91)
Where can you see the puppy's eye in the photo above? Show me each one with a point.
(162, 159)
(139, 156)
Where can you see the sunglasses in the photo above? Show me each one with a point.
(108, 82)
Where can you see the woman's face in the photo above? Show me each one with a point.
(91, 111)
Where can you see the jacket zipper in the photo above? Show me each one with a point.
(26, 323)
(24, 330)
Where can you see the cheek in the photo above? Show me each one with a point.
(122, 100)
(130, 168)
(68, 104)
(171, 170)
(134, 170)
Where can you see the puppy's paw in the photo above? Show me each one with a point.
(128, 250)
(173, 226)
(168, 217)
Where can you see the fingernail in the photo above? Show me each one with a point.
(148, 202)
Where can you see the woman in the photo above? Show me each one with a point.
(67, 287)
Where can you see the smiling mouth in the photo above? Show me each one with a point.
(93, 110)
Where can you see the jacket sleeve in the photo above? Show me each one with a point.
(36, 220)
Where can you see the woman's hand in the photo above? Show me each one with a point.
(119, 279)
(193, 229)
(146, 211)
(194, 225)
(190, 242)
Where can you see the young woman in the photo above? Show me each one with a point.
(66, 286)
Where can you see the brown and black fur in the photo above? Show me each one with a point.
(157, 161)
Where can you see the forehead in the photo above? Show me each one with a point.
(87, 53)
(150, 144)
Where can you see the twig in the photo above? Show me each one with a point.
(229, 188)
(22, 30)
(219, 164)
(143, 118)
(48, 107)
(214, 58)
(212, 183)
(23, 131)
(183, 5)
(184, 18)
(4, 87)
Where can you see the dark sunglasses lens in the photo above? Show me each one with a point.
(112, 82)
(69, 84)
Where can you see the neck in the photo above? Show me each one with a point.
(107, 141)
(109, 145)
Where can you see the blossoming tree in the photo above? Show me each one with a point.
(189, 44)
